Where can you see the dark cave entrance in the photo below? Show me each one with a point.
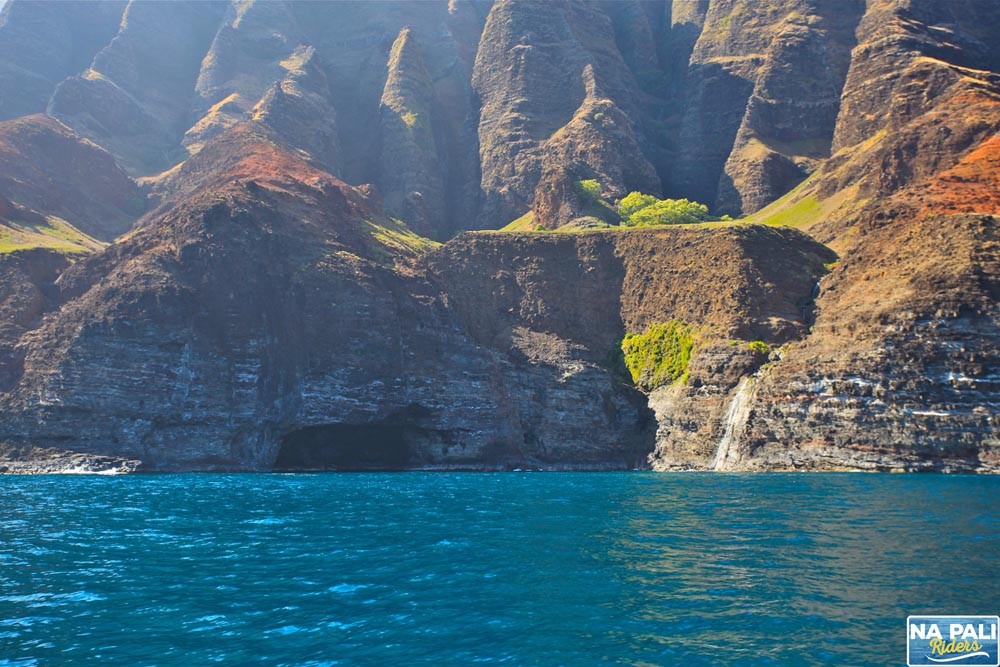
(378, 446)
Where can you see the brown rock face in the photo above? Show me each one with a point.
(935, 99)
(298, 109)
(409, 178)
(911, 110)
(260, 66)
(729, 102)
(543, 72)
(599, 143)
(788, 125)
(628, 280)
(762, 97)
(903, 379)
(47, 170)
(27, 291)
(196, 371)
(247, 53)
(175, 76)
(971, 186)
(886, 86)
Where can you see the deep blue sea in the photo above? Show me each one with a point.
(463, 569)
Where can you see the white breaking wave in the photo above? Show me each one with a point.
(89, 471)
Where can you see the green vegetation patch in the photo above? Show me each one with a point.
(522, 224)
(54, 233)
(410, 118)
(801, 208)
(590, 189)
(395, 236)
(595, 206)
(641, 210)
(803, 212)
(660, 356)
(634, 210)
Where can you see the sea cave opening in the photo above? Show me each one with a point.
(348, 447)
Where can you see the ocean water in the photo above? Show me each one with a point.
(511, 569)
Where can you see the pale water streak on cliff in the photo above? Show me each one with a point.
(734, 423)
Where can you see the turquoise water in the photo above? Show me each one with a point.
(463, 569)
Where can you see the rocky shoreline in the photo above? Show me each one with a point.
(51, 461)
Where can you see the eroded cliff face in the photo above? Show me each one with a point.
(112, 102)
(599, 143)
(411, 181)
(903, 379)
(43, 44)
(788, 123)
(547, 75)
(636, 94)
(328, 329)
(898, 372)
(27, 286)
(346, 343)
(268, 312)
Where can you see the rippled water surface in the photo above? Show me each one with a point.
(459, 569)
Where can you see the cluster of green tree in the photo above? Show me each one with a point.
(590, 189)
(641, 210)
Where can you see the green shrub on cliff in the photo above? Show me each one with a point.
(634, 202)
(642, 210)
(590, 189)
(595, 211)
(660, 356)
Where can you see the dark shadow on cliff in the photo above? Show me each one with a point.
(375, 446)
(716, 103)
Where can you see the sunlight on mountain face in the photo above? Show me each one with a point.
(328, 235)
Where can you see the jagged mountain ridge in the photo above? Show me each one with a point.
(474, 105)
(264, 308)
